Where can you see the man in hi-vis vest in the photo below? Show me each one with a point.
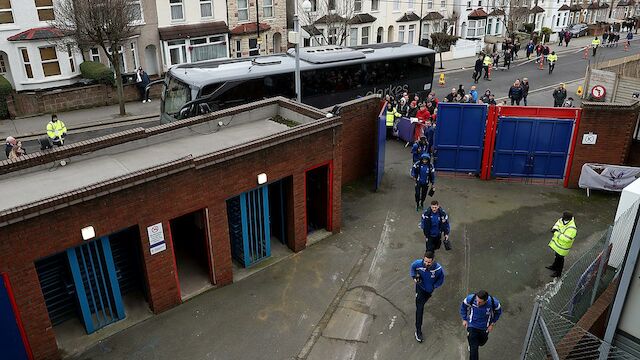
(564, 232)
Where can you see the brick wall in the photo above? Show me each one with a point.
(73, 98)
(161, 200)
(614, 125)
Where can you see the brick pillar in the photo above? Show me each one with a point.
(299, 240)
(220, 243)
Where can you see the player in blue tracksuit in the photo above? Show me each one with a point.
(479, 313)
(418, 148)
(424, 174)
(434, 223)
(428, 275)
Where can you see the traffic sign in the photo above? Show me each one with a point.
(598, 92)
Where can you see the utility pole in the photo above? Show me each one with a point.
(258, 25)
(420, 24)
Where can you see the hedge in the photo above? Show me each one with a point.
(5, 91)
(98, 72)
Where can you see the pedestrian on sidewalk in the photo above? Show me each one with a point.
(507, 58)
(515, 93)
(435, 223)
(594, 45)
(10, 142)
(567, 38)
(530, 48)
(539, 50)
(605, 37)
(427, 275)
(564, 233)
(525, 90)
(486, 64)
(561, 37)
(56, 131)
(515, 49)
(559, 95)
(629, 38)
(479, 313)
(477, 70)
(142, 80)
(424, 173)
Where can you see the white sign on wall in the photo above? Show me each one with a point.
(589, 139)
(156, 238)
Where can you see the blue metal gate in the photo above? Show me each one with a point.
(459, 137)
(382, 140)
(530, 147)
(96, 284)
(11, 343)
(249, 227)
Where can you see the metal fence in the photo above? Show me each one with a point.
(553, 333)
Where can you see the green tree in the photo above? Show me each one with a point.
(442, 42)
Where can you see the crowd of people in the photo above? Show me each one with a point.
(56, 134)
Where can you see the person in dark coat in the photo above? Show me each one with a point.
(9, 144)
(567, 38)
(559, 95)
(515, 93)
(142, 80)
(525, 90)
(477, 70)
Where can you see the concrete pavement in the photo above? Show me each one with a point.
(350, 296)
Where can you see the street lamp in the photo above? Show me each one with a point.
(306, 7)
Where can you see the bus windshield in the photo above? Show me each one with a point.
(176, 94)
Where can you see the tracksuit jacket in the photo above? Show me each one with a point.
(424, 173)
(430, 278)
(480, 317)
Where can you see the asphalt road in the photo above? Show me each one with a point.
(570, 67)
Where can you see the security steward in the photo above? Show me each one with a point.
(564, 233)
(428, 275)
(56, 130)
(434, 223)
(391, 115)
(424, 174)
(486, 63)
(594, 45)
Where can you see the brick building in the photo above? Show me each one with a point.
(146, 218)
(258, 27)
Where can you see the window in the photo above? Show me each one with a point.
(254, 48)
(94, 53)
(557, 21)
(136, 10)
(267, 8)
(177, 52)
(430, 4)
(332, 4)
(121, 60)
(411, 4)
(135, 55)
(490, 27)
(314, 5)
(357, 5)
(6, 15)
(468, 4)
(243, 10)
(45, 10)
(436, 27)
(353, 36)
(365, 35)
(443, 4)
(375, 5)
(475, 28)
(72, 63)
(396, 5)
(49, 59)
(401, 33)
(207, 48)
(177, 11)
(3, 66)
(333, 36)
(412, 31)
(238, 47)
(425, 30)
(206, 8)
(26, 62)
(479, 3)
(498, 27)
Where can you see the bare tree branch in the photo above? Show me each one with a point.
(332, 14)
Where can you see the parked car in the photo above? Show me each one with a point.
(578, 30)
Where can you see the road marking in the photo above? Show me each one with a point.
(375, 271)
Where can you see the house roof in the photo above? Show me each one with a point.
(330, 19)
(409, 16)
(311, 30)
(362, 19)
(477, 13)
(195, 30)
(575, 7)
(521, 11)
(37, 34)
(593, 6)
(497, 12)
(626, 3)
(604, 6)
(434, 15)
(564, 7)
(249, 28)
(537, 9)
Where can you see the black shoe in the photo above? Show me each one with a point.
(419, 337)
(417, 208)
(550, 267)
(556, 274)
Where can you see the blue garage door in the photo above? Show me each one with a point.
(459, 137)
(528, 147)
(249, 228)
(11, 345)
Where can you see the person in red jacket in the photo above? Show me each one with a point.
(423, 115)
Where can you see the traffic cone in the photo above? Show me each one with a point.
(541, 67)
(626, 46)
(586, 53)
(489, 73)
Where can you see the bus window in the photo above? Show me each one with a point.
(176, 95)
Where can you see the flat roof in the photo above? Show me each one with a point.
(47, 181)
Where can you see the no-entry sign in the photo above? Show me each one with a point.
(598, 92)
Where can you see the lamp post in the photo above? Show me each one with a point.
(306, 7)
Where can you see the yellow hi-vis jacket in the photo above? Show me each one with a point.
(595, 42)
(56, 129)
(391, 116)
(487, 60)
(563, 236)
(552, 58)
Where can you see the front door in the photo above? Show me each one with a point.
(249, 228)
